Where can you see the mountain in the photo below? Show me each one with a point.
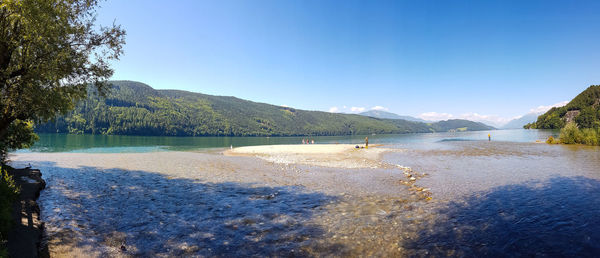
(584, 110)
(389, 115)
(518, 123)
(133, 108)
(459, 125)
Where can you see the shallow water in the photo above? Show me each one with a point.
(127, 144)
(493, 198)
(505, 198)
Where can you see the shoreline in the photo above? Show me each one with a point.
(26, 239)
(236, 183)
(218, 203)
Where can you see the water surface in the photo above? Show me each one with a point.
(121, 143)
(507, 197)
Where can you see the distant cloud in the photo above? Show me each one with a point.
(435, 116)
(380, 108)
(346, 109)
(543, 109)
(486, 119)
(357, 109)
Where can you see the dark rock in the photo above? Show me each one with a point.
(26, 237)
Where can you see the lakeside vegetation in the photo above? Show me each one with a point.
(579, 120)
(9, 192)
(133, 108)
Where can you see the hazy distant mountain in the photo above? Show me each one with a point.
(520, 122)
(389, 115)
(133, 108)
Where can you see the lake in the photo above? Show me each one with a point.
(178, 196)
(120, 143)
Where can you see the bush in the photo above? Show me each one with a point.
(571, 135)
(552, 140)
(9, 192)
(591, 136)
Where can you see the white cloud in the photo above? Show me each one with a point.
(435, 116)
(486, 119)
(357, 109)
(346, 109)
(334, 110)
(380, 108)
(543, 109)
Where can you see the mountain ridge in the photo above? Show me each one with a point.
(390, 115)
(584, 110)
(134, 108)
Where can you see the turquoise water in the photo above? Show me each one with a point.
(120, 144)
(508, 197)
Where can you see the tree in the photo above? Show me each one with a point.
(50, 51)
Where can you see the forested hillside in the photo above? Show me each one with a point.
(584, 110)
(579, 120)
(133, 108)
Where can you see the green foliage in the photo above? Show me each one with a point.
(19, 135)
(50, 51)
(552, 140)
(587, 102)
(133, 108)
(530, 126)
(570, 134)
(9, 192)
(551, 119)
(588, 118)
(591, 136)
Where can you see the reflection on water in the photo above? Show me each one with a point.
(120, 143)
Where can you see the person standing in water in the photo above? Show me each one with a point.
(367, 142)
(489, 137)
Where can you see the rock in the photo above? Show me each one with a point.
(26, 237)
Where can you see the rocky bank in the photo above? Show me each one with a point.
(26, 238)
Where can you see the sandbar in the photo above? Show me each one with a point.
(324, 155)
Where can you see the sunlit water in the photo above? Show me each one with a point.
(505, 197)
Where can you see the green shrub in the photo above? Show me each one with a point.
(9, 192)
(570, 134)
(591, 136)
(552, 140)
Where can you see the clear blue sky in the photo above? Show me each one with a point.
(498, 58)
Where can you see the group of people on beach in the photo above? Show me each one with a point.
(307, 141)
